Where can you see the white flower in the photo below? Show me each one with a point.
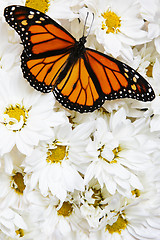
(28, 231)
(151, 13)
(54, 217)
(118, 154)
(54, 165)
(116, 25)
(71, 176)
(12, 190)
(97, 204)
(144, 59)
(10, 221)
(137, 217)
(61, 9)
(26, 116)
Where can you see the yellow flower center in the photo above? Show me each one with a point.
(20, 232)
(136, 192)
(117, 226)
(66, 209)
(149, 70)
(16, 113)
(97, 196)
(56, 154)
(40, 5)
(111, 22)
(18, 183)
(115, 152)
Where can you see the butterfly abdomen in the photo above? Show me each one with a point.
(76, 53)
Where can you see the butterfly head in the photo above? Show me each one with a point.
(79, 47)
(83, 40)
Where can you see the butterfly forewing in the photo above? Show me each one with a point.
(39, 33)
(46, 45)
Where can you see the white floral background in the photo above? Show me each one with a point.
(72, 176)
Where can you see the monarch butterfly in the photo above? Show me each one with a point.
(80, 78)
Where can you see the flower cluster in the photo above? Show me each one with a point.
(72, 176)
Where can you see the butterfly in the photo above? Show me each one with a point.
(80, 78)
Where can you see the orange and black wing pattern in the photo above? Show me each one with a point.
(78, 90)
(96, 77)
(46, 45)
(42, 73)
(117, 79)
(39, 33)
(81, 78)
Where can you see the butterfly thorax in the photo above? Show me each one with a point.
(79, 47)
(77, 52)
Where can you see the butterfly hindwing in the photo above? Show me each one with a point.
(42, 72)
(40, 34)
(77, 91)
(117, 80)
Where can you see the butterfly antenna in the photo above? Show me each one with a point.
(91, 25)
(85, 23)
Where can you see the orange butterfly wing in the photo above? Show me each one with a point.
(77, 90)
(117, 79)
(42, 73)
(46, 45)
(39, 33)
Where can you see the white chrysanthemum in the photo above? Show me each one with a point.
(12, 190)
(97, 178)
(10, 221)
(118, 153)
(26, 116)
(97, 204)
(144, 59)
(117, 25)
(151, 13)
(138, 217)
(31, 230)
(54, 217)
(56, 11)
(54, 165)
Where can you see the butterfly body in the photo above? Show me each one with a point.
(80, 78)
(76, 52)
